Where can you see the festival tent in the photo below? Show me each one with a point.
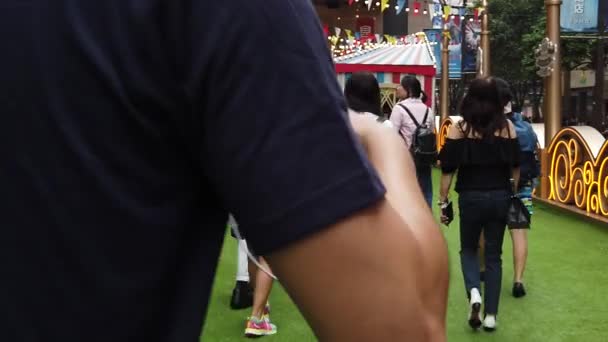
(390, 63)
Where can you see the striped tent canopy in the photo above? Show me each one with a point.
(390, 63)
(414, 58)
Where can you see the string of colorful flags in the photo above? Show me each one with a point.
(355, 44)
(447, 7)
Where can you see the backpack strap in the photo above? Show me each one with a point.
(426, 115)
(418, 125)
(411, 115)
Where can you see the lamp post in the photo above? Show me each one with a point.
(445, 75)
(485, 41)
(553, 107)
(553, 91)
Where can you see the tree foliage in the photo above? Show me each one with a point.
(510, 20)
(517, 27)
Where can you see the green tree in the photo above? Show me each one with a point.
(517, 27)
(510, 20)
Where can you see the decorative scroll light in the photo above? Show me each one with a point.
(577, 177)
(444, 129)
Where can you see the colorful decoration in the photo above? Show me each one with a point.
(579, 170)
(400, 5)
(447, 11)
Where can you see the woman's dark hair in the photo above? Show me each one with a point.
(362, 93)
(482, 109)
(504, 91)
(423, 97)
(412, 86)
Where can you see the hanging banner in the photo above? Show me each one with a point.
(400, 6)
(366, 26)
(436, 13)
(453, 3)
(455, 47)
(579, 16)
(434, 38)
(470, 44)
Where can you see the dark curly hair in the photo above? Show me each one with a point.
(482, 109)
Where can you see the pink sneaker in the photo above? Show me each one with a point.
(259, 327)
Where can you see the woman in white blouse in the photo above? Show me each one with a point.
(411, 91)
(362, 93)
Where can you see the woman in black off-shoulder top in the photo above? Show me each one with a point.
(483, 150)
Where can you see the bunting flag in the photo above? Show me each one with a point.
(401, 5)
(349, 33)
(387, 38)
(457, 21)
(378, 37)
(350, 2)
(338, 31)
(369, 5)
(357, 35)
(383, 5)
(416, 8)
(334, 40)
(447, 10)
(326, 30)
(476, 14)
(446, 33)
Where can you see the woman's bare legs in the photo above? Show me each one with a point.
(520, 253)
(263, 285)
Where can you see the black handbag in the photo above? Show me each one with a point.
(518, 216)
(447, 210)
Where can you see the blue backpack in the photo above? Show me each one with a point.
(528, 141)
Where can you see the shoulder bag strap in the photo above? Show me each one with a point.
(411, 115)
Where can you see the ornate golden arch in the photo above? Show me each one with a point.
(444, 129)
(576, 176)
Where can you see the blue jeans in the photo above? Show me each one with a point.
(423, 173)
(483, 211)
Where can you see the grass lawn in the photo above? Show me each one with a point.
(566, 280)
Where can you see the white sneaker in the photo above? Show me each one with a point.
(475, 309)
(489, 323)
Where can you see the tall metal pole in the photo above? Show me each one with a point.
(553, 91)
(444, 91)
(599, 112)
(485, 41)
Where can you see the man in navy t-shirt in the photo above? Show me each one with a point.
(131, 127)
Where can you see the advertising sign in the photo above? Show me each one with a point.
(579, 16)
(470, 44)
(455, 47)
(434, 37)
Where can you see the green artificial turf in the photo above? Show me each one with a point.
(566, 280)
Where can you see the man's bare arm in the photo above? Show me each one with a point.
(380, 274)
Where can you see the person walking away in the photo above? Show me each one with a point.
(483, 148)
(362, 93)
(412, 119)
(529, 173)
(242, 294)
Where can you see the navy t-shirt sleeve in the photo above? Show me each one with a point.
(277, 146)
